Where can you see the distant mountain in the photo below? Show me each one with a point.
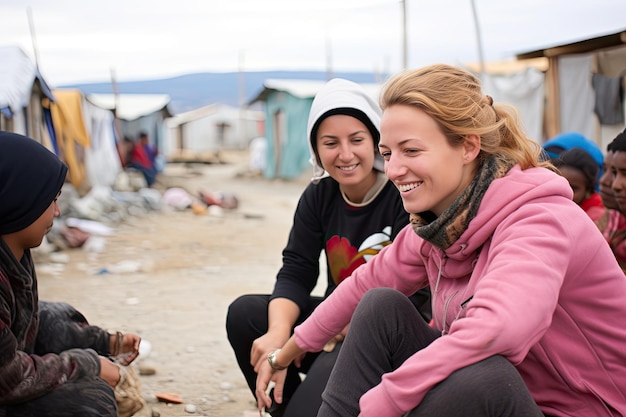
(191, 91)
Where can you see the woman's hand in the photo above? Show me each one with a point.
(125, 347)
(269, 372)
(265, 374)
(109, 371)
(262, 346)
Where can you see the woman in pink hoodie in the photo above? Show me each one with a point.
(528, 300)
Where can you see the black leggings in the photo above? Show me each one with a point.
(246, 321)
(385, 331)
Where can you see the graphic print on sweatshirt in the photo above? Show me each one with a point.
(343, 258)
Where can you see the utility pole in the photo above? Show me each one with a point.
(329, 59)
(242, 130)
(33, 38)
(479, 41)
(405, 50)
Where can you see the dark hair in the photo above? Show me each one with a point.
(619, 143)
(582, 161)
(348, 111)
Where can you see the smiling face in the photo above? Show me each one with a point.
(428, 171)
(346, 151)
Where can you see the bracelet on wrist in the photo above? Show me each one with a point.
(118, 342)
(271, 358)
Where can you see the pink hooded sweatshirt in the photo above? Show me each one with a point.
(544, 291)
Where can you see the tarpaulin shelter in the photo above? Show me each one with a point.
(585, 86)
(520, 84)
(86, 139)
(203, 133)
(22, 93)
(138, 113)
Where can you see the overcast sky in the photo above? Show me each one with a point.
(88, 41)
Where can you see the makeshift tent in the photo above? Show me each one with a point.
(137, 113)
(86, 137)
(202, 133)
(520, 84)
(575, 100)
(22, 91)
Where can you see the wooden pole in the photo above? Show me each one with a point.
(116, 122)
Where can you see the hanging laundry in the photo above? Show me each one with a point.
(609, 101)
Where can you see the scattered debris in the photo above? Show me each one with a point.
(168, 397)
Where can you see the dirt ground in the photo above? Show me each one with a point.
(170, 275)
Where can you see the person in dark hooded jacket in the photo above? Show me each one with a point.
(52, 362)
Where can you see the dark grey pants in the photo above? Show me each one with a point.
(83, 397)
(386, 330)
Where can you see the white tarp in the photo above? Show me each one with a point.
(576, 94)
(131, 106)
(17, 74)
(102, 161)
(525, 91)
